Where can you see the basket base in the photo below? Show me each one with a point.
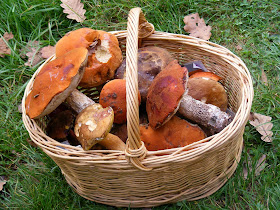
(189, 195)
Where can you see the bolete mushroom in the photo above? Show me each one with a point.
(93, 125)
(151, 60)
(176, 132)
(56, 80)
(208, 91)
(209, 75)
(113, 94)
(168, 93)
(105, 55)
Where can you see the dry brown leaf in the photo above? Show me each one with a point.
(264, 78)
(34, 57)
(263, 125)
(239, 47)
(260, 165)
(4, 49)
(74, 9)
(47, 52)
(197, 27)
(2, 183)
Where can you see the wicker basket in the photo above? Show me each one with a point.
(141, 178)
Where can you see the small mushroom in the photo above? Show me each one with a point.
(209, 75)
(93, 125)
(208, 91)
(176, 132)
(113, 94)
(168, 93)
(105, 55)
(151, 60)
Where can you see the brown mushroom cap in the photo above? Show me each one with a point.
(113, 94)
(165, 93)
(56, 80)
(93, 124)
(105, 55)
(208, 91)
(151, 60)
(175, 133)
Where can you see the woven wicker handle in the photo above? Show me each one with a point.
(137, 27)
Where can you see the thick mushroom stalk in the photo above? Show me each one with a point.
(207, 115)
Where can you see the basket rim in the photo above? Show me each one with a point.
(63, 151)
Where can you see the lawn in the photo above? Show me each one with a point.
(249, 28)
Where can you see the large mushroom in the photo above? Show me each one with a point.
(168, 93)
(105, 55)
(57, 82)
(176, 132)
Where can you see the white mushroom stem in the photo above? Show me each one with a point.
(78, 101)
(207, 115)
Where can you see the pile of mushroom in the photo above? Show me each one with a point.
(176, 108)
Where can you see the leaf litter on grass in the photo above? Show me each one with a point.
(74, 9)
(4, 48)
(196, 27)
(263, 125)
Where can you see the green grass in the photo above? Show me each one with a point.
(34, 180)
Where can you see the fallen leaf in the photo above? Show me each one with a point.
(34, 57)
(196, 26)
(20, 108)
(74, 9)
(260, 165)
(4, 49)
(3, 181)
(47, 52)
(239, 47)
(264, 78)
(263, 125)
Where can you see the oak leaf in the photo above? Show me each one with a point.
(4, 49)
(196, 27)
(263, 125)
(47, 52)
(74, 9)
(264, 78)
(260, 165)
(34, 57)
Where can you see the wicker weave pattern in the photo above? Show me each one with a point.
(191, 172)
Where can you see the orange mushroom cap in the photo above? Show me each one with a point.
(113, 94)
(165, 93)
(209, 75)
(105, 55)
(175, 133)
(56, 80)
